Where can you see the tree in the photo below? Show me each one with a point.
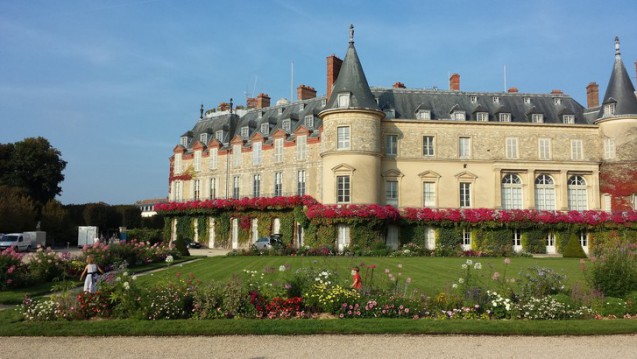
(105, 217)
(34, 165)
(55, 221)
(17, 213)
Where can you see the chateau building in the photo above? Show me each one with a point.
(418, 147)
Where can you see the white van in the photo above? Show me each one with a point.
(17, 241)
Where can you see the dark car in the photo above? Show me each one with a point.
(274, 241)
(191, 244)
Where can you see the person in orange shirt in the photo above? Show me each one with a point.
(356, 277)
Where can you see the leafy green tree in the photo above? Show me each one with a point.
(131, 216)
(55, 221)
(34, 165)
(105, 217)
(17, 212)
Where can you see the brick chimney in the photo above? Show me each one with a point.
(263, 100)
(333, 68)
(454, 82)
(224, 106)
(305, 92)
(251, 102)
(592, 95)
(513, 90)
(399, 85)
(557, 92)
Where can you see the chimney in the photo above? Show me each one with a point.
(592, 95)
(224, 106)
(305, 92)
(333, 68)
(557, 92)
(251, 102)
(263, 100)
(399, 85)
(513, 90)
(454, 82)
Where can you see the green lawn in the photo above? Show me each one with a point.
(428, 274)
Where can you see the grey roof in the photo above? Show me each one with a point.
(351, 78)
(620, 89)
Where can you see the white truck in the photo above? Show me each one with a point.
(86, 236)
(17, 241)
(37, 238)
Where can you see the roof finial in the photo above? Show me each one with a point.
(231, 105)
(617, 53)
(351, 33)
(201, 111)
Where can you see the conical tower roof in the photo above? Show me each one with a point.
(351, 79)
(620, 89)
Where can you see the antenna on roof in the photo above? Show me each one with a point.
(505, 79)
(291, 80)
(254, 87)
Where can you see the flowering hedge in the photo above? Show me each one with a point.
(353, 211)
(243, 204)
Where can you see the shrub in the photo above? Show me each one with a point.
(46, 265)
(208, 301)
(614, 271)
(550, 308)
(612, 306)
(539, 282)
(12, 270)
(180, 245)
(125, 295)
(631, 303)
(171, 300)
(91, 305)
(573, 248)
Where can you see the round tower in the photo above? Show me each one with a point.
(351, 137)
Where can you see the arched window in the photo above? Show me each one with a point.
(544, 193)
(511, 192)
(577, 194)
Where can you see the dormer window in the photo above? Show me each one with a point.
(474, 99)
(324, 102)
(557, 101)
(245, 131)
(527, 100)
(203, 138)
(343, 100)
(184, 141)
(458, 116)
(286, 125)
(504, 117)
(570, 119)
(390, 113)
(265, 129)
(482, 116)
(260, 114)
(301, 106)
(423, 115)
(219, 135)
(537, 118)
(309, 121)
(609, 109)
(496, 99)
(280, 111)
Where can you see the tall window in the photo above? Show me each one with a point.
(287, 124)
(464, 147)
(278, 184)
(245, 131)
(583, 238)
(196, 189)
(213, 153)
(177, 163)
(256, 186)
(544, 148)
(300, 183)
(517, 238)
(577, 194)
(391, 145)
(391, 193)
(609, 109)
(342, 138)
(256, 153)
(265, 129)
(179, 191)
(212, 194)
(576, 150)
(465, 195)
(428, 146)
(429, 194)
(236, 185)
(342, 189)
(278, 150)
(609, 148)
(197, 160)
(219, 135)
(512, 147)
(466, 238)
(544, 193)
(606, 203)
(236, 155)
(301, 148)
(343, 100)
(309, 121)
(511, 192)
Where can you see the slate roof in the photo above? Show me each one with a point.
(620, 88)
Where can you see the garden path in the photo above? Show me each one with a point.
(322, 346)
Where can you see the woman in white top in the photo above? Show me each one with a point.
(90, 271)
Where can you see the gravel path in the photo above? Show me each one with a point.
(321, 346)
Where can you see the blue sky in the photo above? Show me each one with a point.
(114, 83)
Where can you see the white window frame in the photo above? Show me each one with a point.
(213, 153)
(286, 125)
(466, 239)
(609, 148)
(301, 180)
(343, 189)
(237, 157)
(607, 203)
(544, 148)
(609, 109)
(309, 121)
(343, 138)
(197, 161)
(512, 148)
(278, 184)
(301, 148)
(196, 189)
(429, 194)
(428, 146)
(577, 150)
(278, 150)
(545, 193)
(527, 100)
(504, 117)
(577, 192)
(459, 116)
(236, 187)
(557, 101)
(537, 118)
(391, 145)
(203, 138)
(391, 192)
(464, 147)
(219, 136)
(568, 119)
(256, 185)
(257, 153)
(343, 100)
(482, 116)
(512, 192)
(583, 239)
(212, 193)
(496, 99)
(178, 164)
(184, 141)
(265, 129)
(517, 238)
(423, 115)
(473, 99)
(465, 195)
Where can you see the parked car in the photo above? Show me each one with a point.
(16, 240)
(193, 244)
(274, 241)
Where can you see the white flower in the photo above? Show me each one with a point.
(477, 265)
(118, 279)
(454, 286)
(125, 274)
(460, 280)
(169, 259)
(126, 286)
(464, 266)
(469, 262)
(134, 277)
(282, 268)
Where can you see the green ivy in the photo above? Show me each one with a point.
(449, 237)
(287, 227)
(496, 241)
(363, 236)
(184, 228)
(534, 241)
(202, 229)
(167, 229)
